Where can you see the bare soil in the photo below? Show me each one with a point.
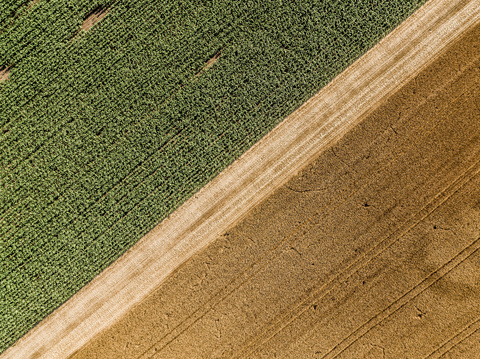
(209, 63)
(94, 17)
(253, 265)
(4, 74)
(371, 251)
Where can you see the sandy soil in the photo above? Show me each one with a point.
(286, 274)
(4, 74)
(94, 18)
(209, 63)
(372, 251)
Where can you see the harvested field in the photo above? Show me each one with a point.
(254, 289)
(372, 251)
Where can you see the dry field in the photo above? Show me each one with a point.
(369, 251)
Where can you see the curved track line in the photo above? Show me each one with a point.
(435, 276)
(289, 147)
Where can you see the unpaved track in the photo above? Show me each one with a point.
(372, 249)
(270, 163)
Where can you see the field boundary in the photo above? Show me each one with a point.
(278, 156)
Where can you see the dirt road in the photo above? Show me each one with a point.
(372, 251)
(269, 282)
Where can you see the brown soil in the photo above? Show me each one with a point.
(209, 63)
(315, 262)
(93, 18)
(371, 251)
(4, 74)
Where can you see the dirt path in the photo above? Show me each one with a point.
(377, 239)
(302, 137)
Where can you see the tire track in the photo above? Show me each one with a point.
(472, 249)
(458, 338)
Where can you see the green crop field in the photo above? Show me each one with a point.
(105, 132)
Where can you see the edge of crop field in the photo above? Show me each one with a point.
(284, 151)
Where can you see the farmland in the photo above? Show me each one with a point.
(105, 132)
(371, 251)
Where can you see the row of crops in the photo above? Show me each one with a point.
(104, 133)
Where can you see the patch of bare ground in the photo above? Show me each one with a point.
(4, 74)
(209, 63)
(376, 233)
(94, 18)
